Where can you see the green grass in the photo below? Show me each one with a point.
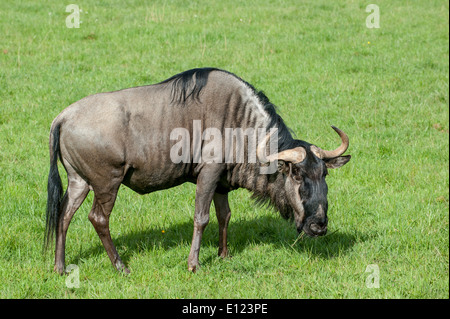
(387, 88)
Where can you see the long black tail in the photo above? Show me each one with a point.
(54, 189)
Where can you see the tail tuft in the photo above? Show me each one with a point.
(54, 189)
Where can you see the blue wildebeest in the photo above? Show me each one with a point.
(124, 137)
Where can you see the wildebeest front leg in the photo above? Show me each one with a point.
(223, 213)
(201, 219)
(206, 186)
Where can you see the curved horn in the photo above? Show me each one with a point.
(323, 154)
(295, 155)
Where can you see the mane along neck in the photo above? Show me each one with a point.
(263, 106)
(267, 189)
(260, 112)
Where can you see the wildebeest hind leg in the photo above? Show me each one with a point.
(76, 192)
(99, 217)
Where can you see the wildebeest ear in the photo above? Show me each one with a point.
(338, 161)
(283, 167)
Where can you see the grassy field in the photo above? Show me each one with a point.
(386, 87)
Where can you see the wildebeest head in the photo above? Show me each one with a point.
(304, 169)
